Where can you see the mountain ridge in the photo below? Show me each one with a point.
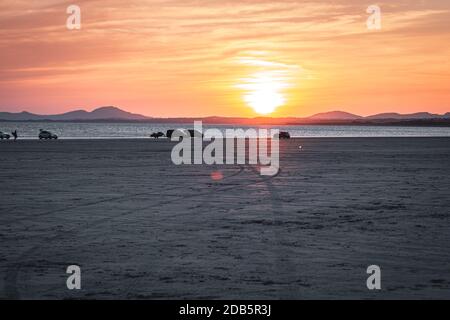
(102, 113)
(114, 113)
(335, 115)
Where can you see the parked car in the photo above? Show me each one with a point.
(4, 136)
(157, 135)
(283, 135)
(47, 135)
(185, 132)
(169, 133)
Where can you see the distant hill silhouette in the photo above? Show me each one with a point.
(103, 113)
(335, 115)
(110, 114)
(415, 116)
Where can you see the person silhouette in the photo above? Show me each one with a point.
(14, 133)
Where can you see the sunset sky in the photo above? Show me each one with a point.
(206, 57)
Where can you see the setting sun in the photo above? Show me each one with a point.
(263, 91)
(264, 100)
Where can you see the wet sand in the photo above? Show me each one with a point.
(140, 227)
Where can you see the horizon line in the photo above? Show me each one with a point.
(228, 117)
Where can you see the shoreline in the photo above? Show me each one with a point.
(432, 122)
(168, 140)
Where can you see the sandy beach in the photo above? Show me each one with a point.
(141, 227)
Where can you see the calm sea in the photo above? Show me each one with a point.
(74, 130)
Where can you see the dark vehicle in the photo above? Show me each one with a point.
(187, 133)
(4, 136)
(283, 135)
(157, 135)
(169, 133)
(47, 135)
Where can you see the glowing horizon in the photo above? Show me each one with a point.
(183, 58)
